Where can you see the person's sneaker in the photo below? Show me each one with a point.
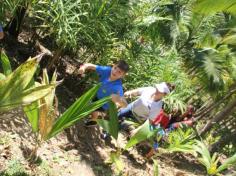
(105, 136)
(91, 123)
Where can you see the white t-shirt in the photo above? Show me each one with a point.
(144, 107)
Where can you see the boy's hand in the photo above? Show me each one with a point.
(127, 94)
(82, 70)
(115, 98)
(86, 66)
(118, 100)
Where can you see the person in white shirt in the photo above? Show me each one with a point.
(149, 103)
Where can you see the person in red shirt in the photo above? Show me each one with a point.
(170, 122)
(162, 119)
(186, 118)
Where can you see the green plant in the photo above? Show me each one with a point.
(43, 118)
(155, 168)
(180, 140)
(41, 114)
(82, 25)
(143, 132)
(6, 65)
(111, 125)
(8, 6)
(212, 7)
(117, 161)
(14, 86)
(60, 19)
(212, 162)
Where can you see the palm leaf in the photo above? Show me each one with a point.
(77, 107)
(209, 7)
(2, 76)
(155, 168)
(229, 39)
(26, 97)
(143, 133)
(18, 80)
(110, 126)
(32, 113)
(181, 140)
(205, 158)
(81, 108)
(116, 159)
(6, 65)
(229, 162)
(47, 113)
(212, 66)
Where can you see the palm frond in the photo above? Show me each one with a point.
(208, 7)
(180, 140)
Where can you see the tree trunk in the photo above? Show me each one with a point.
(228, 110)
(13, 27)
(203, 108)
(213, 106)
(55, 58)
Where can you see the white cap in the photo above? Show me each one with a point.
(162, 87)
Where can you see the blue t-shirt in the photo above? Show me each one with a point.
(108, 87)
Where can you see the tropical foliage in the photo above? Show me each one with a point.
(180, 140)
(14, 89)
(212, 162)
(187, 42)
(43, 118)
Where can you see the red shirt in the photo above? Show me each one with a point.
(161, 119)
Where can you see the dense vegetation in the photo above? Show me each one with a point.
(191, 43)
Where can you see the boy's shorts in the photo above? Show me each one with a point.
(99, 109)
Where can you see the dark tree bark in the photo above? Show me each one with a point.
(53, 62)
(225, 113)
(14, 26)
(202, 114)
(224, 140)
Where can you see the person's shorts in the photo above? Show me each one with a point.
(99, 109)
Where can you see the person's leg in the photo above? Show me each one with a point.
(94, 116)
(122, 115)
(126, 112)
(99, 113)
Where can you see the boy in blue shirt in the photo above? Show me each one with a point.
(111, 85)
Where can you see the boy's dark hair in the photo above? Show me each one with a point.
(123, 65)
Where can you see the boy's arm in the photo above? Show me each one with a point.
(1, 35)
(131, 93)
(85, 67)
(119, 101)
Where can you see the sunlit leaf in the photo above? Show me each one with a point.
(6, 65)
(143, 133)
(111, 125)
(227, 163)
(214, 6)
(80, 108)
